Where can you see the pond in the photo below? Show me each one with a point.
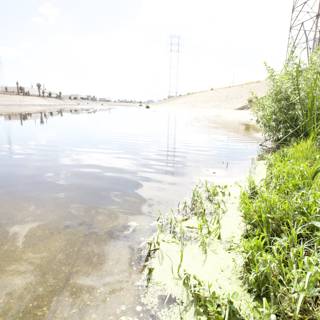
(80, 193)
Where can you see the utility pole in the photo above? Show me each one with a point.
(175, 47)
(304, 36)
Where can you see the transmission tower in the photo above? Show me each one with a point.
(175, 46)
(304, 33)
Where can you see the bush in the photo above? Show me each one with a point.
(290, 110)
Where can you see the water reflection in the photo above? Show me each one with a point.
(79, 194)
(43, 117)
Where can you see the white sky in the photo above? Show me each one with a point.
(120, 48)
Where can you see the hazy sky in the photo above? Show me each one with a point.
(120, 48)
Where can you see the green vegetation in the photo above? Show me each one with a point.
(195, 222)
(291, 109)
(280, 246)
(207, 303)
(201, 216)
(282, 239)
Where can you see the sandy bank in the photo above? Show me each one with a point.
(225, 107)
(229, 98)
(13, 104)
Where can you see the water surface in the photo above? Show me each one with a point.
(80, 193)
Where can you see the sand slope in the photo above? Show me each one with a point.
(223, 106)
(227, 98)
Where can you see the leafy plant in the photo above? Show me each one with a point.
(207, 303)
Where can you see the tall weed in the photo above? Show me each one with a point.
(291, 110)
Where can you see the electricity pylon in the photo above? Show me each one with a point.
(175, 46)
(304, 34)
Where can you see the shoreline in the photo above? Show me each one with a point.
(220, 99)
(14, 105)
(197, 254)
(271, 271)
(189, 259)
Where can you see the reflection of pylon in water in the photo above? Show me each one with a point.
(174, 65)
(304, 28)
(171, 141)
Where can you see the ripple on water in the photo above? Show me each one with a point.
(79, 194)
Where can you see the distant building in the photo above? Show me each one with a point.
(104, 100)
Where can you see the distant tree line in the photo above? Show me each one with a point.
(41, 91)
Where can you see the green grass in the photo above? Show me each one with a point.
(282, 239)
(282, 215)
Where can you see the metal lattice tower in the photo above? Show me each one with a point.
(304, 34)
(175, 46)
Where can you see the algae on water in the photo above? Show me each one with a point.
(195, 259)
